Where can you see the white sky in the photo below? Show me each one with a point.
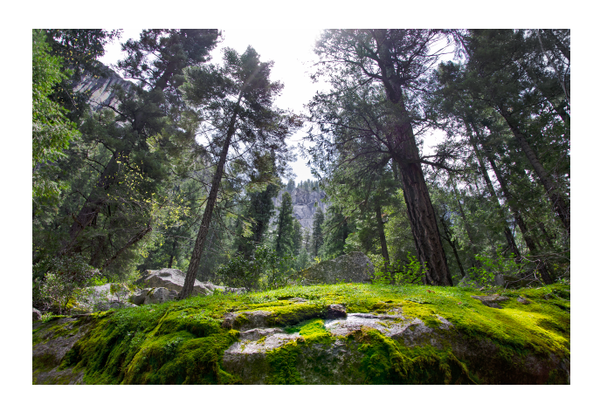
(290, 50)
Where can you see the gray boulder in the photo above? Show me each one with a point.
(160, 295)
(351, 268)
(103, 298)
(172, 279)
(139, 296)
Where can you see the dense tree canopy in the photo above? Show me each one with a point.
(181, 170)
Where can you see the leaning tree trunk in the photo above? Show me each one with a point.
(418, 203)
(529, 241)
(190, 277)
(556, 199)
(510, 239)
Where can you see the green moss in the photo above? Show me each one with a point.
(291, 313)
(183, 341)
(387, 361)
(283, 365)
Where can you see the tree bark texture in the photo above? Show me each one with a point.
(418, 203)
(405, 152)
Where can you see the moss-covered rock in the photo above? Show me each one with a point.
(353, 267)
(390, 335)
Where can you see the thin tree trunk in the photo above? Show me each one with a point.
(470, 236)
(556, 199)
(510, 239)
(380, 228)
(529, 241)
(453, 245)
(172, 253)
(190, 277)
(131, 242)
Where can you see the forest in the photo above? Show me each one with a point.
(180, 169)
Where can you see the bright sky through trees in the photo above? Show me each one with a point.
(290, 50)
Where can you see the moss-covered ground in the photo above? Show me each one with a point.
(183, 342)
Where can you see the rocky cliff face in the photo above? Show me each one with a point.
(305, 205)
(101, 89)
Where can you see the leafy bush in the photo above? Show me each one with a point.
(265, 270)
(63, 283)
(491, 267)
(399, 272)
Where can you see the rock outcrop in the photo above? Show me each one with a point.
(340, 334)
(351, 268)
(173, 280)
(305, 204)
(104, 297)
(102, 90)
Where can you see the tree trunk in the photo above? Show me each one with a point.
(474, 249)
(453, 245)
(529, 241)
(404, 151)
(380, 228)
(131, 242)
(510, 239)
(556, 199)
(190, 277)
(420, 210)
(172, 256)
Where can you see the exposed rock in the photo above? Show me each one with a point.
(37, 315)
(104, 297)
(54, 340)
(160, 295)
(354, 267)
(304, 204)
(523, 300)
(246, 320)
(173, 279)
(139, 296)
(491, 300)
(102, 89)
(335, 311)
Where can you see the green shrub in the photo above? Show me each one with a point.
(264, 271)
(490, 267)
(63, 283)
(399, 272)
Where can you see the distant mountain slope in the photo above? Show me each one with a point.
(305, 203)
(101, 88)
